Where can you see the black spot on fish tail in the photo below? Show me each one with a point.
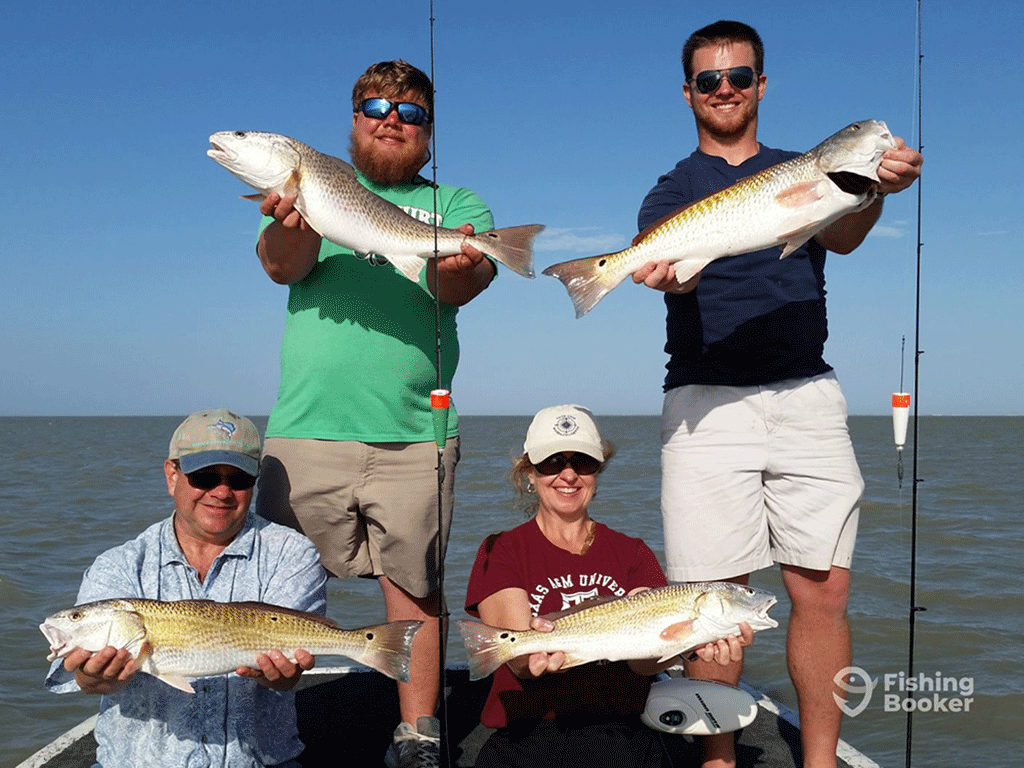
(851, 183)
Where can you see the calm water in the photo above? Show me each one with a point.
(71, 487)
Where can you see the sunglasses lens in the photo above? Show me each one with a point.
(205, 480)
(708, 81)
(581, 464)
(552, 465)
(410, 113)
(378, 109)
(741, 77)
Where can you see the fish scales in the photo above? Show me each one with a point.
(339, 208)
(197, 638)
(210, 636)
(655, 623)
(786, 204)
(731, 208)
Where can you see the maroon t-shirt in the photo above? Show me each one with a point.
(554, 580)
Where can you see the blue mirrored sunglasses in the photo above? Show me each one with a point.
(408, 112)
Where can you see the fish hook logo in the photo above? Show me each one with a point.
(225, 426)
(866, 688)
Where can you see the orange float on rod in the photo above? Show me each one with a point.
(439, 400)
(900, 417)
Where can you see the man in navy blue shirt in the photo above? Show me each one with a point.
(757, 464)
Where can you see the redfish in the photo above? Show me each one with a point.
(197, 638)
(785, 205)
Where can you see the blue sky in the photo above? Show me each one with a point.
(128, 278)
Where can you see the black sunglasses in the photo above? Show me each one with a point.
(208, 479)
(378, 109)
(709, 80)
(581, 464)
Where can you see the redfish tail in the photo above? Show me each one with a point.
(512, 246)
(485, 647)
(387, 648)
(587, 280)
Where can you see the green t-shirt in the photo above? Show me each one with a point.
(358, 357)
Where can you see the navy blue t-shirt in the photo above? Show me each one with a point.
(754, 318)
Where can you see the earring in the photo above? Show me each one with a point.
(530, 487)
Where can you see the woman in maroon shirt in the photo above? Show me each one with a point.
(587, 715)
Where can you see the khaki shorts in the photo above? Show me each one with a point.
(755, 475)
(370, 508)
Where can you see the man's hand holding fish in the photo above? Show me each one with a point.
(661, 276)
(276, 671)
(104, 672)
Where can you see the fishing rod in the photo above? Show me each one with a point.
(914, 608)
(439, 402)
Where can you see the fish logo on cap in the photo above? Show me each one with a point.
(226, 427)
(566, 425)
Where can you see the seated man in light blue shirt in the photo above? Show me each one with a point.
(210, 548)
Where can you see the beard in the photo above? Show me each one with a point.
(724, 127)
(385, 170)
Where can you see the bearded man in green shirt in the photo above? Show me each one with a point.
(350, 458)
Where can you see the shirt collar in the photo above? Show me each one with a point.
(718, 160)
(241, 546)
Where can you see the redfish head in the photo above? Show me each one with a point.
(264, 161)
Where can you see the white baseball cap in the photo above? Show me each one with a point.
(562, 428)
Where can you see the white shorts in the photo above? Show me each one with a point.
(756, 475)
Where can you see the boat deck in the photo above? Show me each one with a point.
(366, 704)
(349, 720)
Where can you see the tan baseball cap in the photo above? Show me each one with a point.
(216, 437)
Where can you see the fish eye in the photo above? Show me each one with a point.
(240, 134)
(75, 615)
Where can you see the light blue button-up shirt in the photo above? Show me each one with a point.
(230, 720)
